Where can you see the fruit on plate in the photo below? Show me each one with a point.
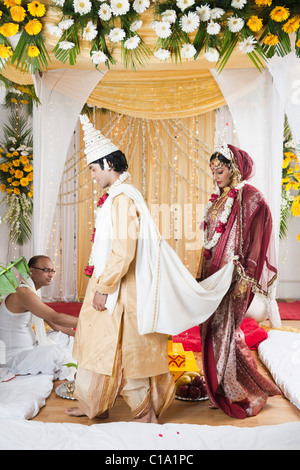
(191, 385)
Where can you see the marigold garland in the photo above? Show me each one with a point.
(184, 28)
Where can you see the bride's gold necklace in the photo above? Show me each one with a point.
(219, 202)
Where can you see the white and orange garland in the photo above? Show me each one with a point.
(209, 244)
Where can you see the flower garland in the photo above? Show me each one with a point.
(30, 52)
(184, 28)
(290, 199)
(221, 227)
(89, 269)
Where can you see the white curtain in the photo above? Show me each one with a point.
(258, 116)
(62, 94)
(286, 75)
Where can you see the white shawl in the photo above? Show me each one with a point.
(169, 299)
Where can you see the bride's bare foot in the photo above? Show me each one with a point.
(78, 413)
(150, 417)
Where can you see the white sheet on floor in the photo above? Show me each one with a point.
(23, 396)
(35, 435)
(280, 353)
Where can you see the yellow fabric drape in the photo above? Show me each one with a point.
(168, 162)
(159, 94)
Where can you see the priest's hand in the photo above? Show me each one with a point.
(99, 301)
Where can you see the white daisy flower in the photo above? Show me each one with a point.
(162, 28)
(183, 4)
(66, 24)
(162, 54)
(132, 43)
(235, 24)
(190, 22)
(187, 51)
(136, 25)
(105, 12)
(169, 15)
(82, 6)
(238, 4)
(248, 45)
(98, 57)
(116, 34)
(141, 5)
(216, 13)
(60, 3)
(212, 55)
(55, 31)
(66, 45)
(203, 12)
(120, 7)
(90, 31)
(213, 28)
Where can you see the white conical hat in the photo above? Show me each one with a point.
(96, 145)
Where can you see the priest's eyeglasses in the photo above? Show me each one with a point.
(46, 270)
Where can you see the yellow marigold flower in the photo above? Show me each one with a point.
(280, 14)
(286, 162)
(5, 51)
(298, 237)
(271, 39)
(18, 13)
(3, 188)
(33, 27)
(30, 194)
(16, 183)
(19, 174)
(17, 191)
(298, 43)
(9, 180)
(24, 182)
(36, 9)
(1, 150)
(13, 100)
(24, 160)
(290, 171)
(285, 180)
(4, 167)
(295, 185)
(291, 25)
(290, 154)
(9, 191)
(9, 29)
(28, 168)
(12, 171)
(15, 153)
(263, 3)
(296, 208)
(24, 101)
(1, 13)
(33, 51)
(255, 23)
(9, 155)
(296, 167)
(12, 3)
(16, 162)
(30, 176)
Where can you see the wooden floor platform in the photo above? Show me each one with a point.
(277, 411)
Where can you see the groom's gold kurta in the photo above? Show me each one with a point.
(99, 333)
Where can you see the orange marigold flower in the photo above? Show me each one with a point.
(18, 13)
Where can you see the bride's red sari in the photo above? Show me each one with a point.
(232, 378)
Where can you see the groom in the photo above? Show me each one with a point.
(113, 358)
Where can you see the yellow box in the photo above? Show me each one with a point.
(177, 369)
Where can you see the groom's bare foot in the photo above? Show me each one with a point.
(78, 413)
(75, 412)
(150, 417)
